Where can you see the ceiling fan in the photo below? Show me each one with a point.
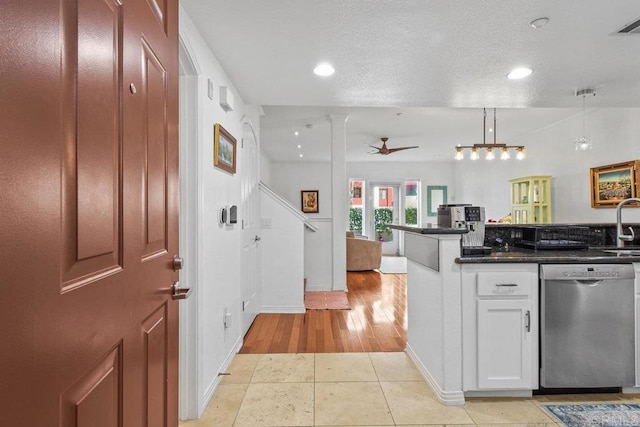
(385, 151)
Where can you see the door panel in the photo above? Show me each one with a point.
(92, 138)
(90, 210)
(154, 98)
(155, 333)
(95, 400)
(159, 8)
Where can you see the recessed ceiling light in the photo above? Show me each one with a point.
(296, 133)
(539, 23)
(299, 146)
(324, 69)
(300, 155)
(519, 73)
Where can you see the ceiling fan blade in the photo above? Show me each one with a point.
(393, 150)
(373, 146)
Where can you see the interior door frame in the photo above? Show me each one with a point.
(399, 194)
(190, 206)
(247, 125)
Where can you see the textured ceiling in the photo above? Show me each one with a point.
(421, 53)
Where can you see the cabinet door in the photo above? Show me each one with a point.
(504, 344)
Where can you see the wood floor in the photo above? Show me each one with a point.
(377, 321)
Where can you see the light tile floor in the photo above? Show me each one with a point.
(357, 389)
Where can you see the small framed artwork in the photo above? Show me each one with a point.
(309, 199)
(436, 196)
(610, 184)
(224, 149)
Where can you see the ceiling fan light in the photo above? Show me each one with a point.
(505, 154)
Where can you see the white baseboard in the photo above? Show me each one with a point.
(318, 288)
(630, 390)
(447, 398)
(499, 393)
(283, 309)
(213, 386)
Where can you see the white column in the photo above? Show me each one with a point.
(339, 199)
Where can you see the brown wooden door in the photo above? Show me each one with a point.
(89, 213)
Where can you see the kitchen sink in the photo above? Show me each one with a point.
(628, 252)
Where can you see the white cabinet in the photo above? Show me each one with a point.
(504, 344)
(500, 326)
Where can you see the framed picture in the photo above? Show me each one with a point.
(436, 196)
(309, 199)
(611, 184)
(224, 149)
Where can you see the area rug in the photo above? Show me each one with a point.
(603, 414)
(393, 265)
(320, 300)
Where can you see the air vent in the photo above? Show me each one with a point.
(633, 28)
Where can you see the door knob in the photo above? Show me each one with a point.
(177, 263)
(180, 293)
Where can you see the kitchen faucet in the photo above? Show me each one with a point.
(620, 236)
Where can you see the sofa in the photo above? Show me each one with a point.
(362, 254)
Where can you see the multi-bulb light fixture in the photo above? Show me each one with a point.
(492, 149)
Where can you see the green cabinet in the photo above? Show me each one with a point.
(531, 200)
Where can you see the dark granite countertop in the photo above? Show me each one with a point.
(584, 256)
(428, 230)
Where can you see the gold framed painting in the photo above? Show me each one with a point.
(224, 149)
(610, 184)
(309, 200)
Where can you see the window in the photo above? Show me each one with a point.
(412, 202)
(356, 207)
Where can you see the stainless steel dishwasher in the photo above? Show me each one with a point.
(587, 325)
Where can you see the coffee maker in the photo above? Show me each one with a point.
(471, 218)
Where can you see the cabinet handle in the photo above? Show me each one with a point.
(527, 321)
(507, 285)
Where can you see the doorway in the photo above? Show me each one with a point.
(384, 208)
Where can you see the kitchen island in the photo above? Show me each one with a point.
(473, 321)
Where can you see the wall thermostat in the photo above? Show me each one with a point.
(222, 215)
(233, 215)
(228, 215)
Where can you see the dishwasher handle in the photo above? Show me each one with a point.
(588, 282)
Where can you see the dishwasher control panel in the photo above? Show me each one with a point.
(591, 271)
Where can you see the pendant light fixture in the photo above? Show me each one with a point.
(492, 149)
(584, 143)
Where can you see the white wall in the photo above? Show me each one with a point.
(550, 151)
(283, 253)
(265, 169)
(288, 179)
(218, 262)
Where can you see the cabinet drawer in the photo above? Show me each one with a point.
(504, 283)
